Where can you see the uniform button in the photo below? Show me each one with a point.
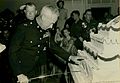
(38, 45)
(31, 41)
(30, 22)
(38, 51)
(40, 38)
(46, 41)
(19, 61)
(44, 48)
(25, 24)
(38, 26)
(40, 30)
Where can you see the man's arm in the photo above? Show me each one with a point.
(14, 49)
(64, 55)
(58, 51)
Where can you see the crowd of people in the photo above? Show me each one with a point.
(34, 41)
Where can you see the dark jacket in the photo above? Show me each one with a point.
(28, 45)
(76, 32)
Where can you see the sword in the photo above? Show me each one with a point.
(45, 76)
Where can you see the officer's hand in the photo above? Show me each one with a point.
(76, 59)
(118, 56)
(22, 78)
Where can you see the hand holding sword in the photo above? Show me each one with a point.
(26, 80)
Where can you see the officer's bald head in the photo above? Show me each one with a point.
(49, 15)
(50, 12)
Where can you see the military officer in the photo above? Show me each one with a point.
(28, 46)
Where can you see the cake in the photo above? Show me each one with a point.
(108, 37)
(106, 46)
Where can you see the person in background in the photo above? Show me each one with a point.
(63, 15)
(69, 22)
(30, 11)
(68, 43)
(76, 30)
(25, 12)
(6, 17)
(107, 17)
(90, 23)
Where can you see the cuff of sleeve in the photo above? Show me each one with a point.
(69, 59)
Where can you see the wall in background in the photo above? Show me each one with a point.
(82, 5)
(71, 5)
(119, 6)
(15, 4)
(113, 4)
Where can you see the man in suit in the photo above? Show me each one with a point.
(76, 30)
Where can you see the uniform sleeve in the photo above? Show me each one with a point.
(58, 51)
(15, 46)
(17, 39)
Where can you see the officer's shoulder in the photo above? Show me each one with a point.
(22, 26)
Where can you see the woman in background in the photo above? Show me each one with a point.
(62, 15)
(68, 43)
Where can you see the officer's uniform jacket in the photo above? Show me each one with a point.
(28, 45)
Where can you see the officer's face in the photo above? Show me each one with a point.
(30, 12)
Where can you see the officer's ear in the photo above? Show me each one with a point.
(25, 11)
(43, 17)
(36, 12)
